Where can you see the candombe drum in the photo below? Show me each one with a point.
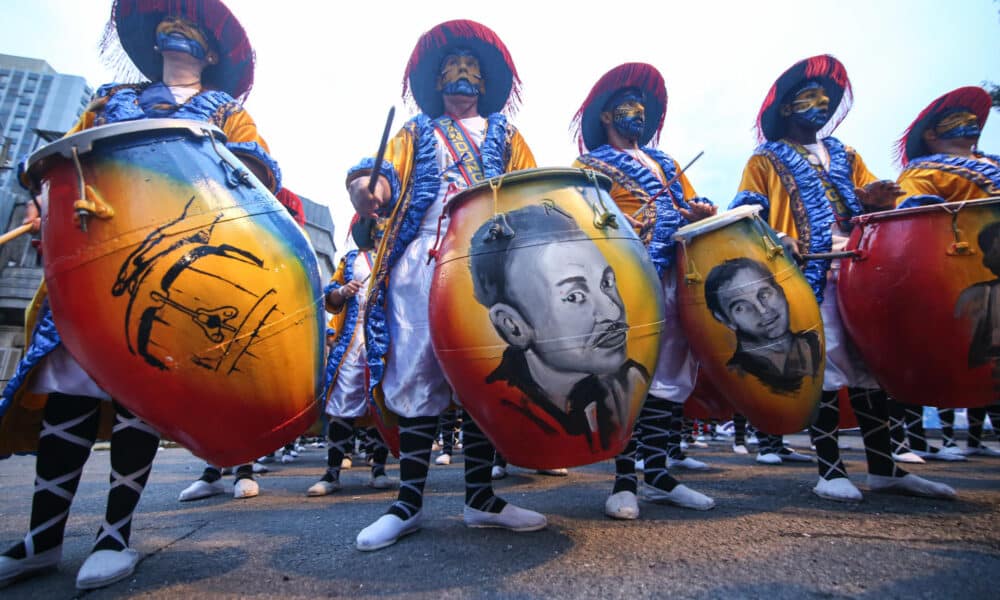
(921, 301)
(706, 402)
(181, 285)
(546, 316)
(751, 319)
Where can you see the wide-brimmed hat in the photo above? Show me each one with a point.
(588, 129)
(973, 98)
(133, 26)
(823, 68)
(503, 87)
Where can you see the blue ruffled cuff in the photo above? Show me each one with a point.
(367, 165)
(257, 153)
(920, 200)
(747, 198)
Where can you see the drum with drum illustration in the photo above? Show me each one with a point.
(921, 300)
(181, 285)
(546, 315)
(751, 319)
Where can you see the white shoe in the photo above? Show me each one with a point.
(443, 459)
(323, 488)
(386, 531)
(940, 455)
(699, 444)
(908, 457)
(688, 463)
(952, 450)
(498, 472)
(346, 463)
(752, 439)
(14, 569)
(201, 489)
(622, 505)
(265, 459)
(105, 567)
(684, 445)
(911, 485)
(257, 468)
(553, 472)
(981, 450)
(382, 482)
(840, 489)
(790, 455)
(681, 495)
(245, 488)
(771, 458)
(287, 457)
(740, 449)
(700, 438)
(511, 517)
(640, 465)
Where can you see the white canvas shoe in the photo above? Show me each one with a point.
(840, 490)
(622, 505)
(511, 517)
(386, 531)
(681, 495)
(245, 488)
(15, 569)
(201, 489)
(105, 567)
(911, 485)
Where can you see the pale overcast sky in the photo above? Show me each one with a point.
(328, 71)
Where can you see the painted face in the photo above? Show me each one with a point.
(175, 34)
(628, 115)
(958, 124)
(810, 106)
(754, 307)
(569, 296)
(460, 75)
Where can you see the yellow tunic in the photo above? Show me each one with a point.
(949, 185)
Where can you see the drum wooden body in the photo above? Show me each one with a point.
(751, 319)
(546, 315)
(195, 301)
(920, 301)
(706, 402)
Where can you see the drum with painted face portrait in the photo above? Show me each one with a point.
(921, 300)
(181, 285)
(547, 346)
(751, 319)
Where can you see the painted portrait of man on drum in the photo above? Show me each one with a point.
(553, 298)
(980, 302)
(743, 295)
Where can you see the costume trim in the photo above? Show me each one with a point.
(44, 339)
(807, 188)
(984, 175)
(642, 183)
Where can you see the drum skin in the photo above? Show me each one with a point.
(197, 304)
(776, 400)
(555, 370)
(916, 303)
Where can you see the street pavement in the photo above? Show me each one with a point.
(768, 537)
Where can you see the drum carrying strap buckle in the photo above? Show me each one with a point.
(90, 202)
(603, 218)
(691, 274)
(235, 175)
(959, 247)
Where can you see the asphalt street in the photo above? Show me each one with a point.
(768, 537)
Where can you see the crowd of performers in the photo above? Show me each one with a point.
(199, 64)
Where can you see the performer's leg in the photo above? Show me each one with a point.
(661, 418)
(676, 458)
(833, 483)
(976, 417)
(499, 470)
(623, 503)
(947, 417)
(380, 454)
(913, 422)
(447, 422)
(416, 436)
(339, 432)
(133, 448)
(482, 507)
(871, 408)
(69, 428)
(768, 448)
(897, 433)
(740, 434)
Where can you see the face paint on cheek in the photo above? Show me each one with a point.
(811, 106)
(958, 125)
(629, 119)
(460, 75)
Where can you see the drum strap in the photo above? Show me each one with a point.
(464, 151)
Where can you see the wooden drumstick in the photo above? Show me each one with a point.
(15, 233)
(666, 186)
(829, 255)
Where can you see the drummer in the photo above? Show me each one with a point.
(195, 76)
(622, 114)
(942, 163)
(461, 77)
(810, 185)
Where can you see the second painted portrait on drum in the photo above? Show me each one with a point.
(743, 295)
(554, 299)
(980, 302)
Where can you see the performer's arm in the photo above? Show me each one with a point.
(397, 166)
(761, 186)
(333, 297)
(520, 154)
(874, 194)
(700, 208)
(247, 144)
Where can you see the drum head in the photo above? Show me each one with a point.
(557, 175)
(692, 230)
(949, 207)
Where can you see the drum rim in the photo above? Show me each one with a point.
(84, 140)
(947, 207)
(526, 174)
(685, 233)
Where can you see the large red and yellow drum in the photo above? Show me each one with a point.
(546, 315)
(181, 285)
(751, 319)
(922, 301)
